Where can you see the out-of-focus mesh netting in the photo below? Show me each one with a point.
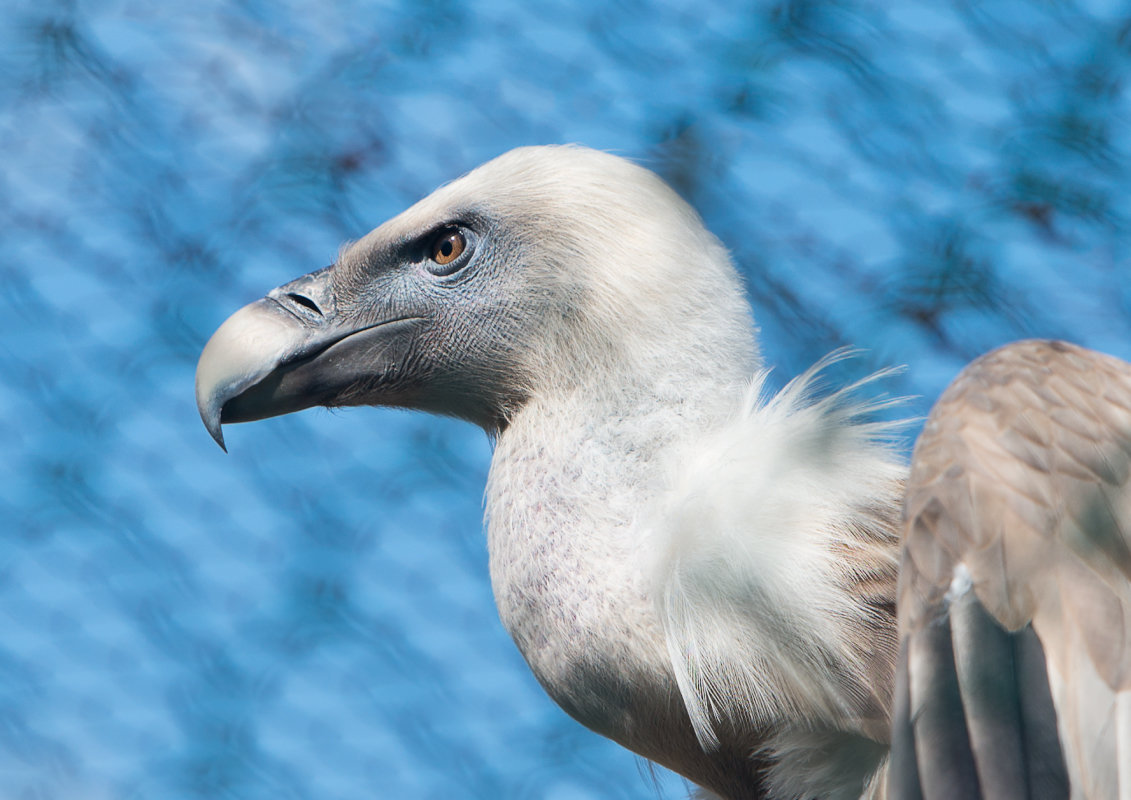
(310, 617)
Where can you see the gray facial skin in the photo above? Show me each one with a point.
(385, 325)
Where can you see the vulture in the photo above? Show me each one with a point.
(749, 588)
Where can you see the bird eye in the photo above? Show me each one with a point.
(448, 245)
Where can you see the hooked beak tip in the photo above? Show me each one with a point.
(214, 429)
(210, 412)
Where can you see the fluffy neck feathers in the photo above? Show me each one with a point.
(737, 552)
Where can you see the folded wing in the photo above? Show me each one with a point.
(1014, 676)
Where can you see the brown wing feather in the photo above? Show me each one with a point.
(1020, 482)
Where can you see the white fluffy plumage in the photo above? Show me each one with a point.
(777, 486)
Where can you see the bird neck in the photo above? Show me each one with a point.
(569, 477)
(564, 497)
(590, 487)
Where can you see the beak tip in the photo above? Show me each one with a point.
(210, 416)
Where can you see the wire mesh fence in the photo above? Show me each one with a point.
(310, 616)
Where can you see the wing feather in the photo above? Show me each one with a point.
(1017, 553)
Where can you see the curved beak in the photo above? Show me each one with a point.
(292, 350)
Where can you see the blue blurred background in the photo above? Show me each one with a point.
(309, 617)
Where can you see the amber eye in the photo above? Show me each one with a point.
(448, 246)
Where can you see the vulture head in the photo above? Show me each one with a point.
(546, 270)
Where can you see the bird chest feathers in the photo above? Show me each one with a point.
(611, 556)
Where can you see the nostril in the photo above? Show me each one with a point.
(305, 301)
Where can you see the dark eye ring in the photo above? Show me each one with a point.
(447, 246)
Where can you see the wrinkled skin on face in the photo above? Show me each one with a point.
(387, 324)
